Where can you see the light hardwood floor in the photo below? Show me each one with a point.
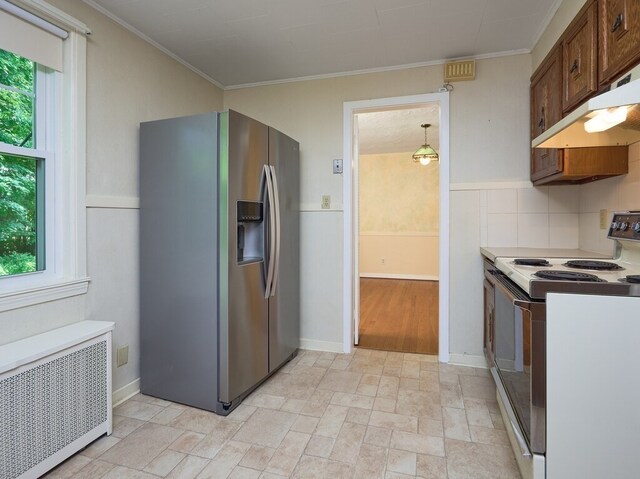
(399, 315)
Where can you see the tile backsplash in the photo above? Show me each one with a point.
(561, 216)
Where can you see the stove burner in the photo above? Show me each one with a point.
(593, 265)
(531, 262)
(632, 278)
(568, 276)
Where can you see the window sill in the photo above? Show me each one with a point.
(43, 294)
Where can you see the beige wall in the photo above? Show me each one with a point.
(488, 142)
(128, 81)
(398, 216)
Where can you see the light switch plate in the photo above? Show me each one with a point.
(337, 167)
(122, 356)
(326, 202)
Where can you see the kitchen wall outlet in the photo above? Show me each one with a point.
(122, 356)
(337, 167)
(326, 202)
(604, 219)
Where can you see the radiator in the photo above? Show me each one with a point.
(55, 397)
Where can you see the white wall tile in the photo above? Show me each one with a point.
(629, 189)
(533, 200)
(564, 230)
(502, 201)
(601, 194)
(502, 229)
(564, 199)
(533, 230)
(590, 231)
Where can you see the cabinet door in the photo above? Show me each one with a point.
(579, 69)
(546, 110)
(619, 26)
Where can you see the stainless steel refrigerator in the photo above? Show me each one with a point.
(219, 257)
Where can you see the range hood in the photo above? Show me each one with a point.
(570, 132)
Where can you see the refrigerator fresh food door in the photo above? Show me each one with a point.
(244, 320)
(284, 306)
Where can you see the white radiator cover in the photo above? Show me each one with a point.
(55, 397)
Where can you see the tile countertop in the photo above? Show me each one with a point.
(491, 253)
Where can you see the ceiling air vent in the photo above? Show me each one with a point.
(459, 71)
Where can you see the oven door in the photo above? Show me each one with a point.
(519, 362)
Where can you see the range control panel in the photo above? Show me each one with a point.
(625, 226)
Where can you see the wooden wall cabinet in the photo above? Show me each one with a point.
(546, 110)
(579, 59)
(619, 32)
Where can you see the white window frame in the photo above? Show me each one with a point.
(64, 137)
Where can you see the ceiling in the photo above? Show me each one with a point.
(397, 131)
(239, 42)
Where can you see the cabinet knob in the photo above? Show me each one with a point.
(574, 66)
(617, 22)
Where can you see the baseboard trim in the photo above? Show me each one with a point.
(468, 360)
(125, 392)
(416, 277)
(315, 345)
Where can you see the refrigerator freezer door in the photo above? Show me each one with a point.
(284, 307)
(244, 320)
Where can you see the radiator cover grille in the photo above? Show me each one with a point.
(49, 406)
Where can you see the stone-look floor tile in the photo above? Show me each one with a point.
(266, 428)
(358, 415)
(268, 475)
(188, 468)
(474, 404)
(430, 427)
(448, 378)
(371, 463)
(401, 461)
(483, 372)
(419, 403)
(187, 441)
(378, 436)
(347, 445)
(244, 473)
(479, 418)
(121, 472)
(331, 421)
(417, 443)
(352, 400)
(257, 457)
(140, 447)
(368, 385)
(397, 475)
(151, 400)
(429, 366)
(384, 404)
(388, 387)
(478, 387)
(225, 461)
(197, 420)
(305, 424)
(286, 457)
(340, 381)
(496, 420)
(94, 470)
(310, 467)
(123, 426)
(100, 446)
(394, 371)
(451, 396)
(214, 441)
(394, 421)
(242, 413)
(319, 446)
(488, 435)
(492, 405)
(137, 410)
(367, 366)
(265, 400)
(293, 405)
(165, 416)
(410, 384)
(323, 363)
(282, 464)
(164, 462)
(340, 364)
(455, 424)
(459, 370)
(69, 467)
(431, 467)
(410, 369)
(470, 460)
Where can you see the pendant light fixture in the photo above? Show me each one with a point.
(425, 154)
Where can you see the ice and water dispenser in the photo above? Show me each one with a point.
(250, 235)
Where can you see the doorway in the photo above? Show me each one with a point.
(351, 294)
(397, 234)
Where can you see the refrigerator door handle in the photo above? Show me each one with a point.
(270, 263)
(276, 207)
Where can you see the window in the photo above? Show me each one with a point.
(22, 199)
(42, 155)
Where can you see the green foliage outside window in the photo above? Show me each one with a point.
(17, 175)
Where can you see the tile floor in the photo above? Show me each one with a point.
(371, 414)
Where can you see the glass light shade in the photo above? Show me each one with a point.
(605, 119)
(425, 154)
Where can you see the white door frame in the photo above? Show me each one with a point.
(350, 274)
